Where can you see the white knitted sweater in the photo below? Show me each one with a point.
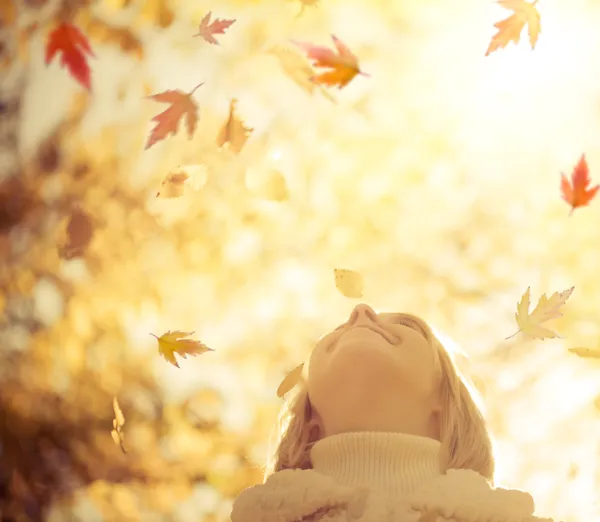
(380, 477)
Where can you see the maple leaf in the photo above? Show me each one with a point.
(167, 122)
(118, 423)
(509, 30)
(578, 194)
(290, 380)
(343, 65)
(546, 309)
(348, 282)
(171, 343)
(74, 46)
(217, 26)
(233, 132)
(298, 69)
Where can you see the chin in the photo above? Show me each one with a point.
(358, 371)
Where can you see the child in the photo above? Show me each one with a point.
(383, 430)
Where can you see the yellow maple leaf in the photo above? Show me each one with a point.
(118, 423)
(171, 343)
(547, 308)
(348, 282)
(290, 380)
(509, 30)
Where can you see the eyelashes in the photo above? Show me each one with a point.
(411, 323)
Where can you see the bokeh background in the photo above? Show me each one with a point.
(436, 178)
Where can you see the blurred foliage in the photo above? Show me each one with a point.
(437, 179)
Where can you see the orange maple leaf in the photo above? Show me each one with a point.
(167, 121)
(344, 65)
(578, 194)
(73, 45)
(509, 30)
(217, 26)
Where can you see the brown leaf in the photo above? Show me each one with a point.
(217, 26)
(80, 232)
(167, 122)
(233, 132)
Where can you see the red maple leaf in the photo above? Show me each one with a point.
(73, 45)
(167, 122)
(578, 194)
(217, 26)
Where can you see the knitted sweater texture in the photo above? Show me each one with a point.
(362, 477)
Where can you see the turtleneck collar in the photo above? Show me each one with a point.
(394, 463)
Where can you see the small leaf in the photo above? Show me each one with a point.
(73, 46)
(182, 180)
(348, 282)
(171, 343)
(119, 417)
(588, 353)
(80, 232)
(118, 423)
(233, 132)
(546, 309)
(578, 194)
(217, 26)
(343, 65)
(290, 380)
(167, 122)
(509, 30)
(297, 68)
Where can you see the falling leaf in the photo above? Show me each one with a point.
(173, 185)
(233, 132)
(171, 343)
(118, 423)
(80, 232)
(167, 122)
(578, 194)
(290, 380)
(217, 26)
(348, 282)
(546, 309)
(181, 180)
(343, 65)
(587, 353)
(267, 184)
(510, 29)
(297, 68)
(73, 45)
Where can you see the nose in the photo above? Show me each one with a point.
(362, 314)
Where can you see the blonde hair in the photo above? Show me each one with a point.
(465, 440)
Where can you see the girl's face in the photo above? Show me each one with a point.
(375, 372)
